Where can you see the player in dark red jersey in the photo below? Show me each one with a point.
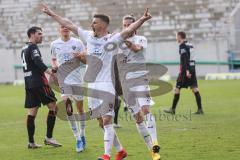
(187, 76)
(37, 89)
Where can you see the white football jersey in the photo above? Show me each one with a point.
(63, 51)
(103, 48)
(132, 57)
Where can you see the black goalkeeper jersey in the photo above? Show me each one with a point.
(184, 51)
(33, 66)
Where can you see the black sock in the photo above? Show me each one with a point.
(50, 123)
(175, 101)
(31, 128)
(116, 109)
(198, 100)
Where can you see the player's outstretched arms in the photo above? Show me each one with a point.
(62, 21)
(134, 26)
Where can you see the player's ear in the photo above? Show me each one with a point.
(32, 35)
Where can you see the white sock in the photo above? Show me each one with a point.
(82, 126)
(142, 129)
(74, 126)
(108, 138)
(151, 126)
(116, 143)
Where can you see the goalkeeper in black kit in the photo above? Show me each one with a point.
(37, 89)
(187, 74)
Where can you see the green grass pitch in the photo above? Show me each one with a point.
(214, 136)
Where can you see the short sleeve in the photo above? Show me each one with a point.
(80, 45)
(35, 53)
(53, 50)
(84, 34)
(117, 38)
(183, 50)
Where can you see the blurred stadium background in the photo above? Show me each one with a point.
(213, 27)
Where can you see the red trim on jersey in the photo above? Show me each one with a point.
(44, 79)
(180, 69)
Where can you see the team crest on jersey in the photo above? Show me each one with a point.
(74, 47)
(182, 51)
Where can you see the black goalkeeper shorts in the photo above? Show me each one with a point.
(39, 95)
(184, 82)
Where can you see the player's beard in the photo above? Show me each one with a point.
(94, 31)
(40, 40)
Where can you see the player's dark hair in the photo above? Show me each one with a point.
(33, 30)
(182, 34)
(129, 17)
(105, 18)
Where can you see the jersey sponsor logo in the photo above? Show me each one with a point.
(74, 47)
(28, 74)
(97, 53)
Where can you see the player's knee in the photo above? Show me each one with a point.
(145, 110)
(138, 118)
(52, 113)
(80, 108)
(176, 90)
(194, 90)
(52, 106)
(33, 111)
(107, 120)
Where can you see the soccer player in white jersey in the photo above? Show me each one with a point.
(134, 51)
(62, 50)
(96, 42)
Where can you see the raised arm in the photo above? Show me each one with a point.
(133, 47)
(134, 26)
(62, 21)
